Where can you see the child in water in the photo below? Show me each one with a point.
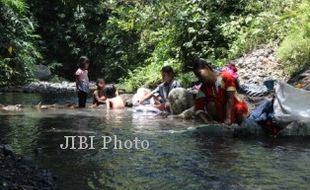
(114, 101)
(82, 81)
(99, 94)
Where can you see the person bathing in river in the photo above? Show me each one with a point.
(160, 94)
(217, 100)
(99, 94)
(82, 81)
(113, 101)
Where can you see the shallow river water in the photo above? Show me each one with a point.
(177, 158)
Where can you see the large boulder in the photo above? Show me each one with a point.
(250, 129)
(42, 72)
(180, 100)
(297, 129)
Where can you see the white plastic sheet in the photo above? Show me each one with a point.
(291, 104)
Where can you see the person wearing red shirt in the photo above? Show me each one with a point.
(217, 99)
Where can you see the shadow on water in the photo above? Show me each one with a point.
(176, 159)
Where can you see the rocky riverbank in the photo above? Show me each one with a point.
(253, 68)
(45, 87)
(260, 65)
(19, 172)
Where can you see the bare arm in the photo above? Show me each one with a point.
(108, 102)
(99, 99)
(103, 98)
(146, 97)
(77, 82)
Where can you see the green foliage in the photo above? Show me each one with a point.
(70, 29)
(17, 5)
(129, 41)
(261, 22)
(294, 51)
(214, 30)
(18, 51)
(148, 76)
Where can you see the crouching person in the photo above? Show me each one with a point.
(160, 94)
(217, 99)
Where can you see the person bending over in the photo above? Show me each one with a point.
(217, 100)
(160, 94)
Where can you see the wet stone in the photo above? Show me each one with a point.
(18, 172)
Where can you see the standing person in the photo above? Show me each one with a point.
(82, 81)
(217, 99)
(161, 93)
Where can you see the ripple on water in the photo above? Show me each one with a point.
(177, 158)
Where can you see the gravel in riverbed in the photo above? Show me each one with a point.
(17, 172)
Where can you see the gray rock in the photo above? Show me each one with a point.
(258, 65)
(45, 87)
(297, 128)
(180, 99)
(250, 129)
(42, 72)
(215, 130)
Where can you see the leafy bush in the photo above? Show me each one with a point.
(214, 30)
(261, 22)
(129, 41)
(18, 51)
(294, 51)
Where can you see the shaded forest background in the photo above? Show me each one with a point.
(129, 41)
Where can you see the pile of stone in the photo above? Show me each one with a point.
(45, 87)
(259, 65)
(18, 172)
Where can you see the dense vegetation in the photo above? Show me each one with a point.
(129, 41)
(18, 42)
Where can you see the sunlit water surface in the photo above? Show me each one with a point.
(177, 157)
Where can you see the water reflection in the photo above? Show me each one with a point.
(176, 159)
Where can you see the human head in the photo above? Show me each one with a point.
(167, 74)
(110, 91)
(100, 83)
(83, 62)
(203, 70)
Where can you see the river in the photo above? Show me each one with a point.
(177, 158)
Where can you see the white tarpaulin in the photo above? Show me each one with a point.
(291, 104)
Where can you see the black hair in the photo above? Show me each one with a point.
(110, 91)
(83, 60)
(99, 80)
(167, 69)
(201, 64)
